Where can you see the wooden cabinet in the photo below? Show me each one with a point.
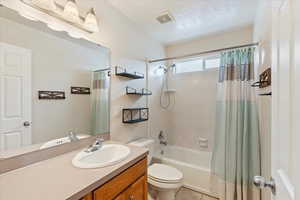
(129, 185)
(121, 197)
(137, 191)
(88, 197)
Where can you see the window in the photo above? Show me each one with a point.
(195, 65)
(189, 66)
(212, 63)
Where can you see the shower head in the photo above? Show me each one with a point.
(164, 68)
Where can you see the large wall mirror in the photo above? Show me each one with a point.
(53, 89)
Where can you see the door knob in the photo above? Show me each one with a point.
(131, 197)
(26, 124)
(261, 183)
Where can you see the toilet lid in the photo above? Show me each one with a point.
(164, 172)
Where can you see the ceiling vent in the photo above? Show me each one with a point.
(165, 18)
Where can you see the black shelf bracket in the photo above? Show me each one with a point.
(266, 94)
(119, 71)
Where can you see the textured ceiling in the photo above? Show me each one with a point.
(193, 18)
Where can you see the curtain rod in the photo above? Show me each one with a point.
(204, 52)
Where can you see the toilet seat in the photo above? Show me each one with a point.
(164, 174)
(163, 179)
(161, 186)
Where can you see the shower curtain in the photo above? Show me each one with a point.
(236, 153)
(100, 102)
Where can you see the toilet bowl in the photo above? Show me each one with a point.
(163, 179)
(166, 180)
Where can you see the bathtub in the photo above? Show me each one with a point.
(195, 166)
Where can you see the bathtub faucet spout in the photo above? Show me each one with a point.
(165, 143)
(162, 138)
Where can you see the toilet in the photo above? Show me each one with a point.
(164, 179)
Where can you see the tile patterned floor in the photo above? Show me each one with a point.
(186, 194)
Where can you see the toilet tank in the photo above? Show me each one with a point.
(145, 143)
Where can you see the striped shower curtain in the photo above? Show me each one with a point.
(236, 153)
(100, 103)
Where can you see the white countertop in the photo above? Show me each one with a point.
(58, 179)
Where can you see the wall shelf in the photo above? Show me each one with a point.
(140, 92)
(123, 72)
(135, 115)
(266, 94)
(52, 95)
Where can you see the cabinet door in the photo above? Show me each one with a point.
(122, 182)
(88, 197)
(138, 190)
(122, 196)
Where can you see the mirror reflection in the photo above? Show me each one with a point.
(53, 89)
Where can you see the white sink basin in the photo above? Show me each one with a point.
(107, 155)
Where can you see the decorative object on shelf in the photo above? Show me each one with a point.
(135, 115)
(123, 72)
(141, 92)
(265, 79)
(80, 90)
(68, 13)
(52, 95)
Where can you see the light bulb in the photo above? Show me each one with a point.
(71, 11)
(91, 22)
(45, 4)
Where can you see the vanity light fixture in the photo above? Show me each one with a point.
(68, 13)
(91, 21)
(71, 12)
(45, 4)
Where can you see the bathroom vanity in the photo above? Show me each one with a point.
(129, 185)
(58, 179)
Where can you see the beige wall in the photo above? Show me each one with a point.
(193, 115)
(57, 64)
(211, 42)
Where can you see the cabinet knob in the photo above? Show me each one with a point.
(131, 197)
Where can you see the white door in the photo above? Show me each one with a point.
(285, 108)
(15, 97)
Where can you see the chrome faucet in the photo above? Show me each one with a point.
(96, 146)
(73, 137)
